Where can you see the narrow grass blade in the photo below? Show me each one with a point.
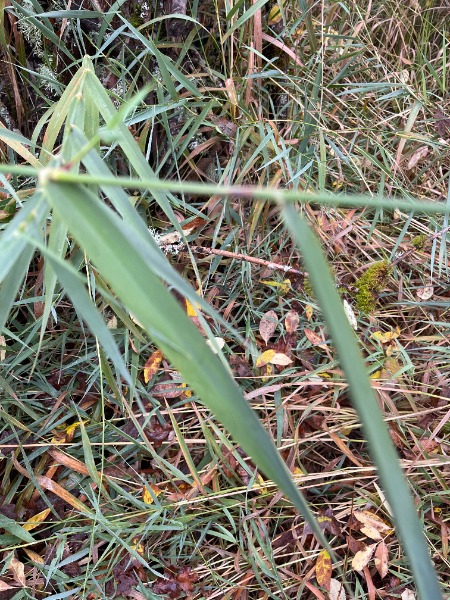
(381, 446)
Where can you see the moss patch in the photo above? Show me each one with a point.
(370, 285)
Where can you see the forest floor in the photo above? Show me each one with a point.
(334, 96)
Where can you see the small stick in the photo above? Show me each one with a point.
(246, 258)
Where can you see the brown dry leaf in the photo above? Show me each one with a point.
(374, 526)
(152, 365)
(417, 156)
(18, 569)
(309, 311)
(315, 339)
(167, 389)
(361, 558)
(35, 520)
(323, 569)
(337, 590)
(382, 559)
(291, 321)
(268, 325)
(408, 595)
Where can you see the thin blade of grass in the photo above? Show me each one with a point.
(380, 443)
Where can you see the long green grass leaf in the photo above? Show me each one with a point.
(380, 443)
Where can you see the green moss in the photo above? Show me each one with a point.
(308, 287)
(370, 285)
(419, 241)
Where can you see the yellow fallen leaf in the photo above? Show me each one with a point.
(323, 569)
(275, 13)
(309, 311)
(385, 337)
(265, 358)
(269, 371)
(283, 286)
(146, 495)
(152, 365)
(35, 520)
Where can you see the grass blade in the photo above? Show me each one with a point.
(381, 446)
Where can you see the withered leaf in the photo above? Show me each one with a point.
(291, 321)
(315, 339)
(337, 590)
(373, 526)
(381, 559)
(323, 569)
(18, 570)
(361, 558)
(268, 325)
(152, 365)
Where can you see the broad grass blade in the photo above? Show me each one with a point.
(112, 246)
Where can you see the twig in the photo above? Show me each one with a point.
(246, 258)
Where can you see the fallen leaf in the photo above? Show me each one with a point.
(291, 321)
(36, 520)
(323, 569)
(350, 315)
(275, 13)
(408, 595)
(2, 348)
(362, 557)
(18, 569)
(425, 293)
(385, 337)
(152, 365)
(4, 586)
(315, 339)
(309, 311)
(268, 325)
(337, 590)
(147, 496)
(283, 286)
(268, 371)
(280, 359)
(374, 526)
(381, 559)
(265, 358)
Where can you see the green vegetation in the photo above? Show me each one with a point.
(188, 409)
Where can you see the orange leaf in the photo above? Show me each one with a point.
(152, 365)
(323, 569)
